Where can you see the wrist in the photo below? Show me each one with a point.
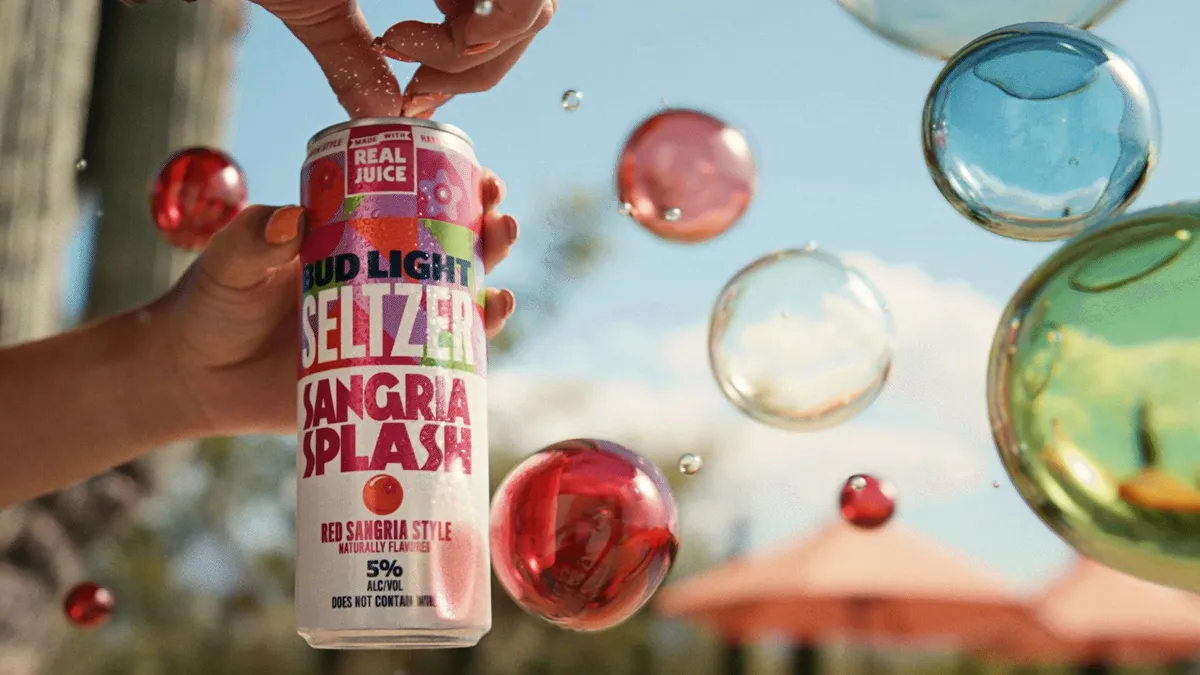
(155, 394)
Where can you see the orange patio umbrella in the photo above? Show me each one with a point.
(1096, 615)
(881, 586)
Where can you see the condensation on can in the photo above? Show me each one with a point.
(392, 470)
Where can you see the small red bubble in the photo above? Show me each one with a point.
(583, 533)
(197, 192)
(382, 495)
(867, 502)
(88, 605)
(686, 176)
(325, 190)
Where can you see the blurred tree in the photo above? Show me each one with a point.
(159, 80)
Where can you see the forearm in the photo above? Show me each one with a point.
(77, 404)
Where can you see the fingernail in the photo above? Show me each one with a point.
(483, 47)
(501, 190)
(511, 229)
(284, 225)
(423, 104)
(387, 50)
(510, 302)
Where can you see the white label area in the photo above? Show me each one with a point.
(392, 500)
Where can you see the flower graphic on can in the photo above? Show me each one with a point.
(441, 196)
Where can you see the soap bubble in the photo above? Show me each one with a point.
(571, 100)
(1094, 394)
(1037, 131)
(686, 175)
(800, 341)
(583, 533)
(940, 28)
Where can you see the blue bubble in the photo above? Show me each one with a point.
(1039, 130)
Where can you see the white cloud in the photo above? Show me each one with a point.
(928, 432)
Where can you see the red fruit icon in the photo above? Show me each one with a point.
(382, 495)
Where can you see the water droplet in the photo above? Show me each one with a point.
(625, 208)
(81, 164)
(867, 502)
(571, 100)
(484, 7)
(672, 214)
(690, 464)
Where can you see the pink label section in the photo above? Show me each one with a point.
(381, 161)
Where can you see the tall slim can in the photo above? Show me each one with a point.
(392, 473)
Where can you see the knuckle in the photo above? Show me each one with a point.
(543, 17)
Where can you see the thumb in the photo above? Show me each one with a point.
(258, 240)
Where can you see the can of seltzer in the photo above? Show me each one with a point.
(392, 473)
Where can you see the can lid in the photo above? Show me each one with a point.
(411, 121)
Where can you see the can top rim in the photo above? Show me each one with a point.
(411, 121)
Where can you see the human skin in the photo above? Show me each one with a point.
(215, 356)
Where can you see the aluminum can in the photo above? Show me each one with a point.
(392, 470)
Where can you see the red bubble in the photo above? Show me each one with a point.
(325, 190)
(686, 176)
(88, 605)
(196, 194)
(382, 494)
(583, 533)
(868, 502)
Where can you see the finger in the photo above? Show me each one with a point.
(439, 46)
(497, 307)
(509, 19)
(499, 234)
(247, 251)
(359, 75)
(492, 189)
(428, 81)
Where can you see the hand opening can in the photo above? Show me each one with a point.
(392, 474)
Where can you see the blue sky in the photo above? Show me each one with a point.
(832, 113)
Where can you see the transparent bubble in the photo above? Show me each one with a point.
(571, 100)
(690, 464)
(484, 7)
(687, 175)
(1099, 428)
(1038, 131)
(940, 28)
(81, 164)
(625, 208)
(800, 341)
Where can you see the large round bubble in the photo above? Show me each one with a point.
(1094, 394)
(800, 341)
(583, 533)
(1038, 131)
(942, 27)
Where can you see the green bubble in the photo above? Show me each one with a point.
(1094, 393)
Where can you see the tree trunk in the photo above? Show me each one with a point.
(161, 81)
(46, 50)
